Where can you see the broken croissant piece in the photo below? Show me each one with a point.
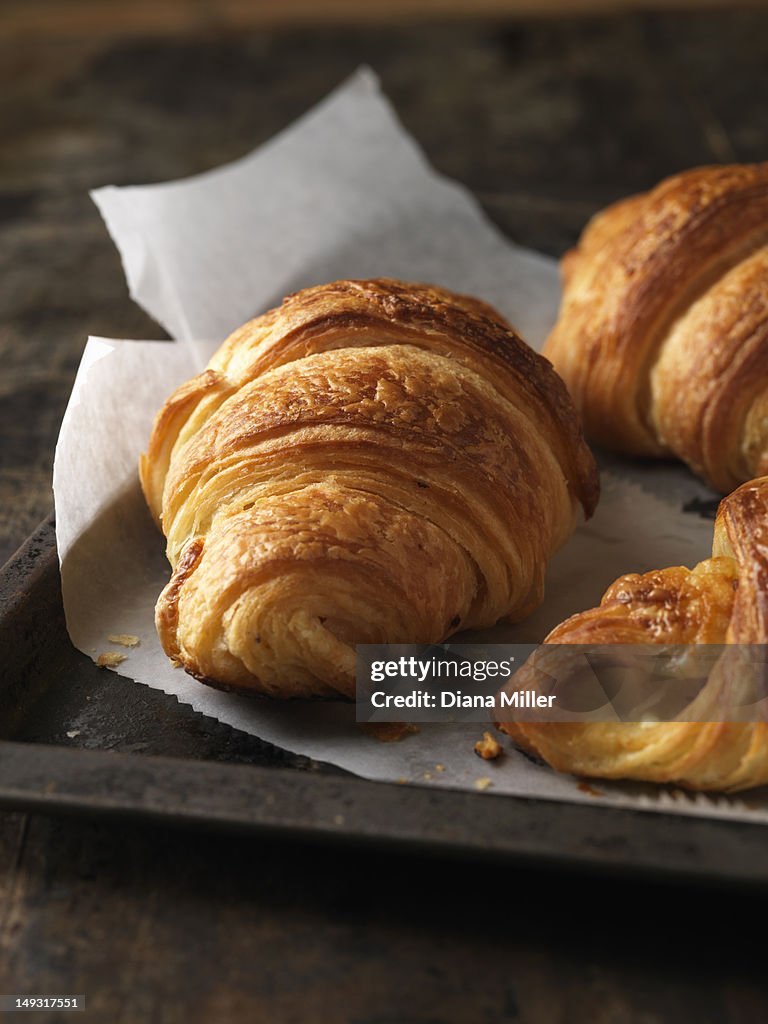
(371, 462)
(662, 336)
(724, 600)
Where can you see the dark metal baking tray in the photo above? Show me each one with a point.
(76, 739)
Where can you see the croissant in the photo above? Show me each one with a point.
(371, 462)
(662, 336)
(723, 600)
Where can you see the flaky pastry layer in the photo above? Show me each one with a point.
(723, 600)
(662, 336)
(371, 462)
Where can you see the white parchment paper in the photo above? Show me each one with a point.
(344, 192)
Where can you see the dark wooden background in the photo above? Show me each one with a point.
(546, 121)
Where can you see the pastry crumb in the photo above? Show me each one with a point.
(428, 776)
(439, 767)
(338, 819)
(110, 659)
(402, 781)
(589, 790)
(483, 783)
(488, 748)
(389, 732)
(73, 733)
(124, 639)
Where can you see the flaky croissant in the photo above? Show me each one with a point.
(662, 336)
(371, 462)
(724, 600)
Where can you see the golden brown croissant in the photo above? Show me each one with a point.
(371, 462)
(662, 336)
(724, 600)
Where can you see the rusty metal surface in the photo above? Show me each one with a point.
(76, 740)
(48, 689)
(315, 806)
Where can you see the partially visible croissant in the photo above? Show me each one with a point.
(371, 462)
(724, 600)
(662, 336)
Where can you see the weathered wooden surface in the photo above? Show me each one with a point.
(112, 18)
(167, 927)
(545, 122)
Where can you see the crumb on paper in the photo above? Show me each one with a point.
(428, 776)
(124, 639)
(483, 783)
(73, 734)
(402, 781)
(389, 732)
(488, 748)
(338, 819)
(439, 767)
(110, 659)
(585, 787)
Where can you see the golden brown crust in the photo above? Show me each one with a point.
(167, 612)
(662, 336)
(724, 600)
(371, 462)
(741, 532)
(195, 398)
(384, 312)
